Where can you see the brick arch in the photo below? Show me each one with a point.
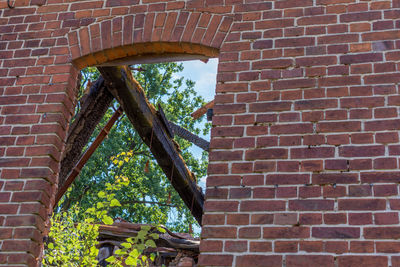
(183, 32)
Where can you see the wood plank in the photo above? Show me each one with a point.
(92, 111)
(86, 156)
(203, 110)
(148, 125)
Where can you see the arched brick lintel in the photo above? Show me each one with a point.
(174, 32)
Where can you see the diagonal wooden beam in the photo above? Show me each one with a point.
(201, 111)
(94, 107)
(148, 125)
(86, 156)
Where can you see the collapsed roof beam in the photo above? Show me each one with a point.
(148, 125)
(94, 106)
(86, 156)
(192, 138)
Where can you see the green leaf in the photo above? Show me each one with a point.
(100, 205)
(50, 246)
(146, 228)
(161, 229)
(134, 253)
(131, 261)
(141, 247)
(90, 210)
(154, 236)
(119, 252)
(111, 259)
(115, 203)
(101, 194)
(107, 220)
(151, 243)
(126, 245)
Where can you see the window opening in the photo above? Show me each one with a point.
(123, 156)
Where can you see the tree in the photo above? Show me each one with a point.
(149, 198)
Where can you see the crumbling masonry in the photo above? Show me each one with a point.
(304, 150)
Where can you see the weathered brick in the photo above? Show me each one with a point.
(258, 260)
(362, 204)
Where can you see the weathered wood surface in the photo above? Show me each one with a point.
(93, 109)
(185, 134)
(203, 110)
(143, 117)
(86, 156)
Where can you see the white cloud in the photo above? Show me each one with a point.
(204, 74)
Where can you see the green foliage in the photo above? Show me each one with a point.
(149, 198)
(132, 251)
(74, 243)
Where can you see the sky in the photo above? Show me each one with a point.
(204, 74)
(205, 77)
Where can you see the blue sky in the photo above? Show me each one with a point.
(204, 74)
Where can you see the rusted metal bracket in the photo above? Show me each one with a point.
(151, 129)
(9, 4)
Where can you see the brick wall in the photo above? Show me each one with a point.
(304, 160)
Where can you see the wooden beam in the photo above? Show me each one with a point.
(94, 106)
(86, 156)
(185, 134)
(148, 125)
(201, 111)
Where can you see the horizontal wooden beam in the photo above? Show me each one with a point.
(148, 125)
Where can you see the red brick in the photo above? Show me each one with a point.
(286, 232)
(360, 218)
(278, 153)
(361, 247)
(310, 219)
(311, 246)
(280, 179)
(285, 246)
(262, 218)
(362, 204)
(380, 177)
(310, 205)
(335, 218)
(260, 246)
(258, 261)
(337, 247)
(317, 152)
(336, 232)
(210, 246)
(262, 205)
(386, 218)
(338, 139)
(353, 261)
(215, 260)
(219, 232)
(250, 232)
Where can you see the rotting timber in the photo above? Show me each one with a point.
(147, 123)
(94, 106)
